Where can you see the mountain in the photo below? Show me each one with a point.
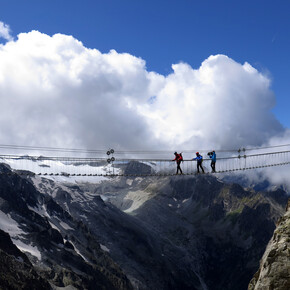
(174, 232)
(220, 229)
(16, 270)
(274, 271)
(61, 249)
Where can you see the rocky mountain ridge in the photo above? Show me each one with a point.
(179, 232)
(222, 228)
(274, 271)
(61, 250)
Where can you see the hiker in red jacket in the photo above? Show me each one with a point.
(178, 158)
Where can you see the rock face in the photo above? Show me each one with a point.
(178, 232)
(16, 270)
(274, 272)
(219, 231)
(57, 249)
(135, 167)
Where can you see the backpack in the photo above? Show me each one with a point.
(181, 157)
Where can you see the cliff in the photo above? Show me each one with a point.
(274, 271)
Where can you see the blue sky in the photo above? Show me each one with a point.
(167, 32)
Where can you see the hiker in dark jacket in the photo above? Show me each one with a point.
(178, 158)
(199, 159)
(212, 156)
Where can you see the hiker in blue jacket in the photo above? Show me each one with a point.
(212, 156)
(199, 159)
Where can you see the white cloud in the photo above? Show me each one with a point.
(56, 92)
(5, 31)
(222, 104)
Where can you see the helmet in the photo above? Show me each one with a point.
(197, 153)
(175, 152)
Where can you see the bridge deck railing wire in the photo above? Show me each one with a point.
(81, 166)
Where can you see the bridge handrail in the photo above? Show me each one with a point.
(102, 159)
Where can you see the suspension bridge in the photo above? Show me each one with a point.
(115, 163)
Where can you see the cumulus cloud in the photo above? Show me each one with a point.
(56, 92)
(219, 105)
(5, 31)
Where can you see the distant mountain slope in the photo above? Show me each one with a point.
(220, 227)
(61, 249)
(132, 245)
(178, 232)
(200, 229)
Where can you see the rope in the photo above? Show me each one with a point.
(141, 175)
(22, 172)
(79, 166)
(120, 152)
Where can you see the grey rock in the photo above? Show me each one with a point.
(179, 232)
(274, 271)
(135, 167)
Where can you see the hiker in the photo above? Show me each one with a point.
(199, 159)
(212, 156)
(178, 158)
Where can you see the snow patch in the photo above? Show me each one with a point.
(9, 225)
(27, 248)
(138, 197)
(65, 226)
(53, 226)
(39, 210)
(79, 253)
(104, 248)
(104, 198)
(129, 182)
(58, 167)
